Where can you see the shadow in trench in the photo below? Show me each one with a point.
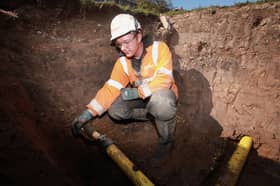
(256, 171)
(198, 142)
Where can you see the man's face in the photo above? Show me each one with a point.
(129, 44)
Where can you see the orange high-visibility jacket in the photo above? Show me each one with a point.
(156, 73)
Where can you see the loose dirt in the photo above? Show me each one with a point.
(53, 60)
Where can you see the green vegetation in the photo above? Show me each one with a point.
(92, 3)
(153, 7)
(147, 7)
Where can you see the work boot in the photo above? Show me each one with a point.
(166, 130)
(162, 149)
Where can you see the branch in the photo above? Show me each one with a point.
(9, 13)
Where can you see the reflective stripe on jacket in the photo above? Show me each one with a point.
(156, 73)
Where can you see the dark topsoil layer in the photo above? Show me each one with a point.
(53, 60)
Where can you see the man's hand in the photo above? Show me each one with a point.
(80, 122)
(141, 93)
(144, 91)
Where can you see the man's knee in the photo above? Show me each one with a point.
(118, 113)
(163, 105)
(113, 114)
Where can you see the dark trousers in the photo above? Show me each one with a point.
(161, 106)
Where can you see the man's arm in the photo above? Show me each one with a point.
(109, 92)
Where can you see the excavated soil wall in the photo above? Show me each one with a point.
(238, 51)
(53, 60)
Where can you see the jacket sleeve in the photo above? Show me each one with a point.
(163, 78)
(109, 92)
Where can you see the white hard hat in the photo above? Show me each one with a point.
(122, 24)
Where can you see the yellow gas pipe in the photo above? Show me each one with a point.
(236, 162)
(134, 174)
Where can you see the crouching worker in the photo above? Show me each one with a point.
(141, 83)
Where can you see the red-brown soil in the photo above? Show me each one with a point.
(53, 60)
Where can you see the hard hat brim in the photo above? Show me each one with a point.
(113, 39)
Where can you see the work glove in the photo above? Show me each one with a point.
(129, 93)
(81, 122)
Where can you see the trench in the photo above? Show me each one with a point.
(54, 59)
